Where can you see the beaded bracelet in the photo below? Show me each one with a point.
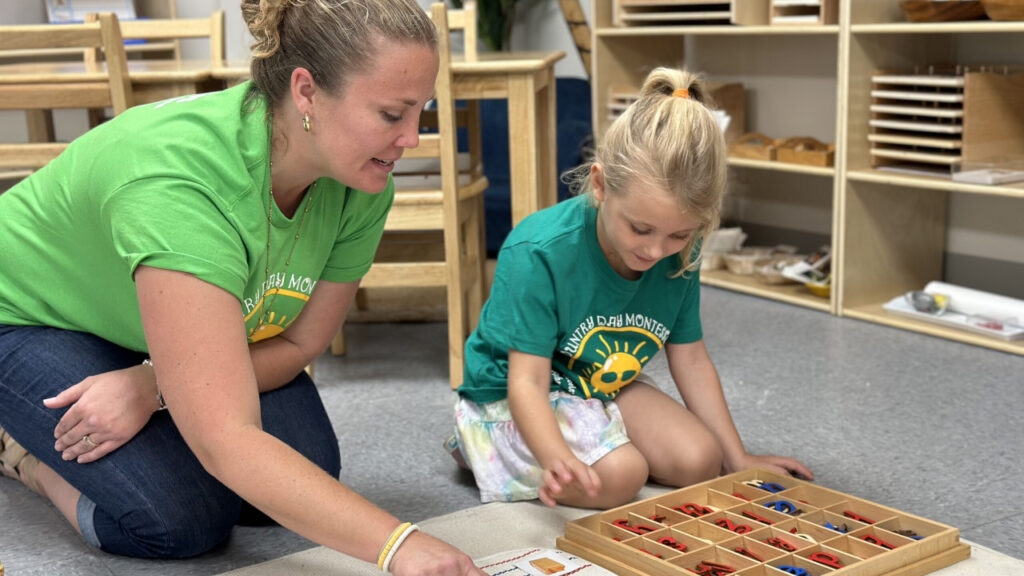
(399, 535)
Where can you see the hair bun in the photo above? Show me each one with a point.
(263, 17)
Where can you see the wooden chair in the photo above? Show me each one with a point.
(170, 30)
(467, 117)
(443, 207)
(174, 29)
(36, 96)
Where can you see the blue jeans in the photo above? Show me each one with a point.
(150, 498)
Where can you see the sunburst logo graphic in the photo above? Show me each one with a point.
(613, 359)
(273, 324)
(271, 327)
(620, 367)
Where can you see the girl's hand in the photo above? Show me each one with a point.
(777, 464)
(560, 474)
(422, 555)
(110, 408)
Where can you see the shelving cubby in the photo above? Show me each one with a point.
(777, 65)
(890, 232)
(896, 228)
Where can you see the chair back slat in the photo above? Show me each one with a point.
(43, 36)
(181, 29)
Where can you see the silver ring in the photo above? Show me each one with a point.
(89, 441)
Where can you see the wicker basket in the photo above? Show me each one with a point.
(769, 270)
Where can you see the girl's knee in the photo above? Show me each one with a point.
(698, 459)
(623, 473)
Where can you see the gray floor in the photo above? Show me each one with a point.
(921, 424)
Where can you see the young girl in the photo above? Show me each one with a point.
(554, 404)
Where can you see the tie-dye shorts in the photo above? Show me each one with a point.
(504, 467)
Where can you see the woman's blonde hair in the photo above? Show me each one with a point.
(672, 142)
(333, 39)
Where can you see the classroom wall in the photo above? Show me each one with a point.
(984, 243)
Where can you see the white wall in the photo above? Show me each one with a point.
(979, 227)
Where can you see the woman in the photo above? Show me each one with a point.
(166, 256)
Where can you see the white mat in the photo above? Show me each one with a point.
(493, 528)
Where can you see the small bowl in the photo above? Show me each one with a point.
(742, 261)
(1004, 10)
(769, 270)
(822, 290)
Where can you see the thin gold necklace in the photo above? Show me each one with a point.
(266, 305)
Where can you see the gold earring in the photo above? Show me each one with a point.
(305, 122)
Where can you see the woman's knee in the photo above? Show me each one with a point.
(174, 531)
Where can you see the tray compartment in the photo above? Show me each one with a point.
(880, 538)
(835, 523)
(716, 555)
(677, 541)
(855, 547)
(862, 511)
(782, 539)
(813, 532)
(751, 544)
(797, 561)
(913, 528)
(813, 496)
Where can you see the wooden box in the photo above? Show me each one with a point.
(945, 117)
(806, 151)
(755, 519)
(804, 12)
(754, 146)
(689, 12)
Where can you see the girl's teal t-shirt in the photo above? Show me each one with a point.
(180, 184)
(555, 295)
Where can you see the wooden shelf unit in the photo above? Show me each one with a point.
(889, 230)
(777, 166)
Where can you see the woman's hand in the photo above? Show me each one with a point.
(561, 474)
(422, 555)
(777, 464)
(106, 411)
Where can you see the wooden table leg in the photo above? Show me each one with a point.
(533, 170)
(40, 125)
(524, 169)
(547, 133)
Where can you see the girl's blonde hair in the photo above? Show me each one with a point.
(672, 142)
(333, 39)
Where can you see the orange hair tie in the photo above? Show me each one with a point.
(681, 93)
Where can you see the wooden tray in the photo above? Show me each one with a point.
(690, 12)
(671, 12)
(807, 151)
(931, 11)
(754, 146)
(782, 521)
(804, 12)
